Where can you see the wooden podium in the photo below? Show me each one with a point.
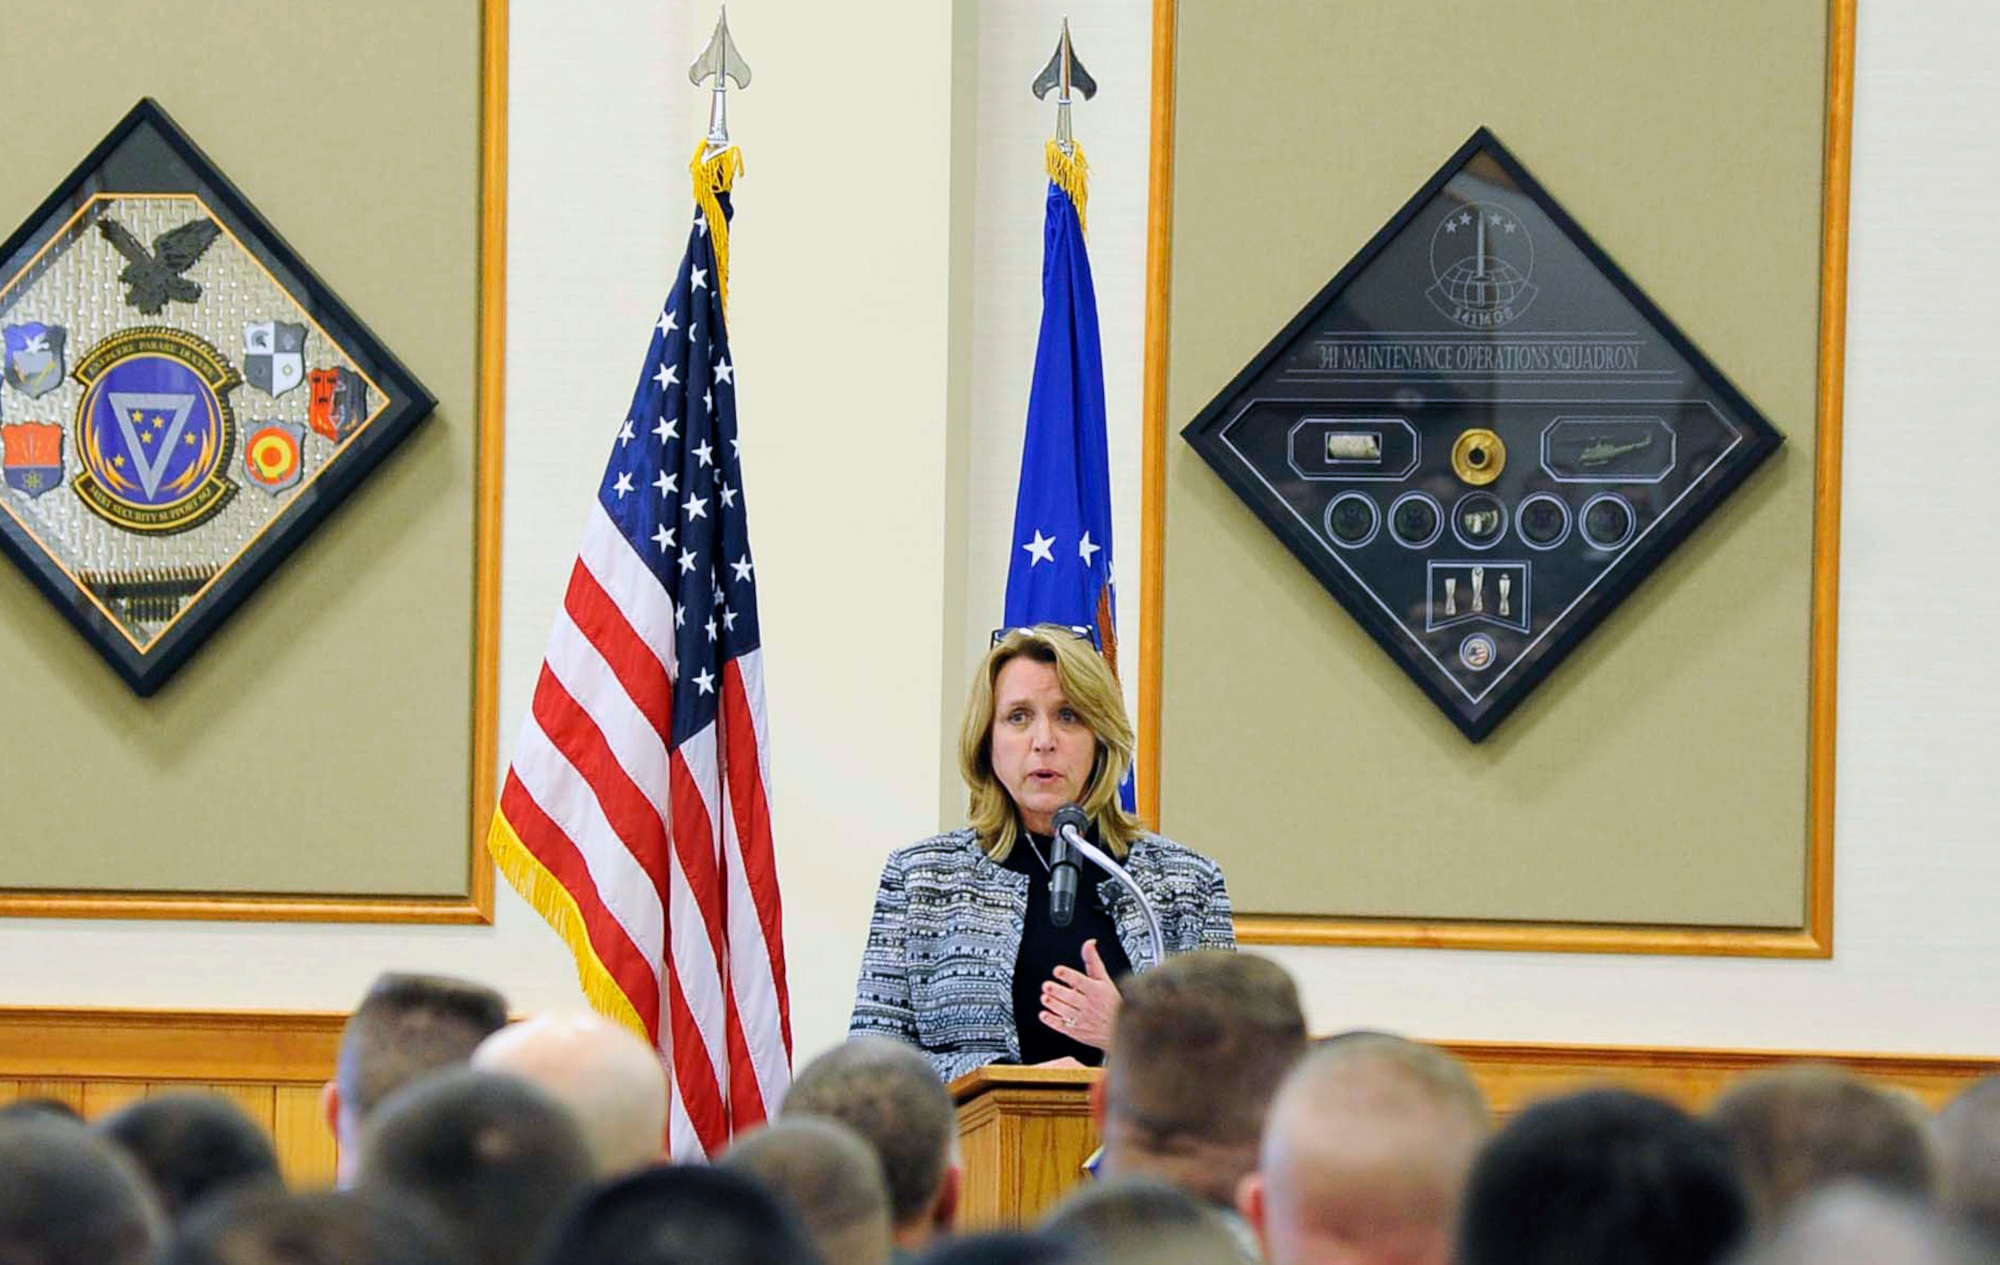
(1023, 1133)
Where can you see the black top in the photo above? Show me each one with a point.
(1045, 946)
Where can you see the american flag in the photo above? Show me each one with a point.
(636, 814)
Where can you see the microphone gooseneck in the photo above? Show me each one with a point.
(1062, 864)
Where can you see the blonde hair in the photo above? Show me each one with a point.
(1093, 692)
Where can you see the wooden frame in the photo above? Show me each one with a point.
(476, 906)
(1815, 939)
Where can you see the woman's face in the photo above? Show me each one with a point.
(1042, 750)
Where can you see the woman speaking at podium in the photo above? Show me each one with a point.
(964, 960)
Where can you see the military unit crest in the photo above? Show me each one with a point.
(156, 337)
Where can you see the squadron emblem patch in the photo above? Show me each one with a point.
(34, 358)
(273, 455)
(31, 456)
(274, 356)
(339, 402)
(154, 430)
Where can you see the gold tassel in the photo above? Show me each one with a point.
(558, 907)
(1071, 172)
(712, 178)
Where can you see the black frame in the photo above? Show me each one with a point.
(1203, 434)
(409, 403)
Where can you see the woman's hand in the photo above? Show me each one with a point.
(1082, 1004)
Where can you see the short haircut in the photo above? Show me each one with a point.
(1857, 1224)
(829, 1176)
(611, 1080)
(1003, 1247)
(1797, 1129)
(494, 1157)
(40, 1109)
(1604, 1177)
(1199, 1046)
(1133, 1218)
(891, 1095)
(193, 1146)
(1368, 1145)
(68, 1197)
(1968, 1137)
(408, 1025)
(274, 1227)
(681, 1215)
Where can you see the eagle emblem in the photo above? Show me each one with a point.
(153, 277)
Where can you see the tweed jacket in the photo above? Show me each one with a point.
(938, 972)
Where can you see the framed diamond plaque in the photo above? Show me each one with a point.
(184, 401)
(1480, 436)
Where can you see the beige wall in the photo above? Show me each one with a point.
(857, 767)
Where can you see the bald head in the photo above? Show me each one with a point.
(1365, 1155)
(830, 1176)
(611, 1081)
(1853, 1224)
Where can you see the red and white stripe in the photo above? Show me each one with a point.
(667, 852)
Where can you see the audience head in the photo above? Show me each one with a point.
(1797, 1129)
(890, 1095)
(1003, 1247)
(494, 1157)
(40, 1109)
(1365, 1155)
(1968, 1138)
(68, 1197)
(406, 1026)
(828, 1175)
(1200, 1045)
(1142, 1221)
(1604, 1177)
(612, 1082)
(191, 1146)
(273, 1227)
(1857, 1224)
(681, 1215)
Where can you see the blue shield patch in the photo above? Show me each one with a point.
(34, 357)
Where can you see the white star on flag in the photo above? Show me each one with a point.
(695, 507)
(1084, 549)
(667, 376)
(663, 538)
(667, 483)
(704, 682)
(725, 372)
(700, 282)
(687, 562)
(704, 454)
(625, 433)
(1039, 549)
(666, 430)
(623, 485)
(667, 323)
(742, 567)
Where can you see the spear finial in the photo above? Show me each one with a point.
(1064, 72)
(721, 61)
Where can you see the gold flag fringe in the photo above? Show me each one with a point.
(558, 907)
(712, 178)
(1071, 172)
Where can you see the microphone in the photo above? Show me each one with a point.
(1062, 864)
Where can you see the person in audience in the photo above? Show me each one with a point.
(493, 1156)
(1365, 1155)
(681, 1215)
(406, 1026)
(613, 1083)
(1968, 1142)
(828, 1174)
(964, 960)
(68, 1197)
(41, 1109)
(1003, 1247)
(192, 1146)
(1604, 1177)
(275, 1227)
(1201, 1044)
(1797, 1129)
(886, 1092)
(1142, 1221)
(1858, 1224)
